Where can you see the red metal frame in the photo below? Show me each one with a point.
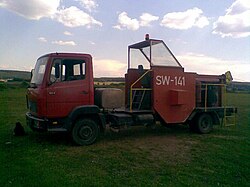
(66, 95)
(173, 93)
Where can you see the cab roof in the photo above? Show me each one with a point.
(67, 55)
(145, 43)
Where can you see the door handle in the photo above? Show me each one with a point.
(52, 93)
(84, 92)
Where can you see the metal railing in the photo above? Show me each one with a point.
(224, 104)
(134, 89)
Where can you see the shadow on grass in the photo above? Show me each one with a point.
(54, 138)
(144, 132)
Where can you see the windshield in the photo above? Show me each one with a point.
(161, 56)
(151, 53)
(39, 71)
(139, 57)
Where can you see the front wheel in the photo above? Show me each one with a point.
(204, 123)
(85, 132)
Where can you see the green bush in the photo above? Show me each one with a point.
(24, 84)
(2, 86)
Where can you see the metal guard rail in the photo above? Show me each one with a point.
(224, 98)
(132, 89)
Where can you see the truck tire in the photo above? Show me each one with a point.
(85, 132)
(204, 123)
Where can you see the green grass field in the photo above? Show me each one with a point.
(134, 157)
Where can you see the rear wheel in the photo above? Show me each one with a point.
(85, 132)
(204, 123)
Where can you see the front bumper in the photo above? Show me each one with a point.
(35, 123)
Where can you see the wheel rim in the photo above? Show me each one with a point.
(85, 133)
(205, 123)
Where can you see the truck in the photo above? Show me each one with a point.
(62, 95)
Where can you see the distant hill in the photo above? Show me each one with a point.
(25, 75)
(109, 79)
(11, 74)
(239, 86)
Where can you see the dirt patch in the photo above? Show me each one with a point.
(169, 148)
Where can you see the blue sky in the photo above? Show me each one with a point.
(207, 37)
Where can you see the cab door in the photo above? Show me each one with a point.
(68, 88)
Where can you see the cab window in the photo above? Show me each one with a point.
(67, 70)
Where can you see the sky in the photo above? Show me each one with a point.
(207, 37)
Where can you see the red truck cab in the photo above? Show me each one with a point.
(61, 82)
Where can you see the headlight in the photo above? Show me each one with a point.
(32, 106)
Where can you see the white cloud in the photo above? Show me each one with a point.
(67, 33)
(236, 22)
(31, 9)
(13, 66)
(146, 19)
(125, 22)
(185, 20)
(42, 39)
(74, 17)
(238, 7)
(60, 42)
(109, 68)
(210, 65)
(37, 9)
(88, 4)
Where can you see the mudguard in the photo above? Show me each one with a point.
(87, 110)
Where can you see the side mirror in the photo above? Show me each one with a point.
(57, 70)
(31, 73)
